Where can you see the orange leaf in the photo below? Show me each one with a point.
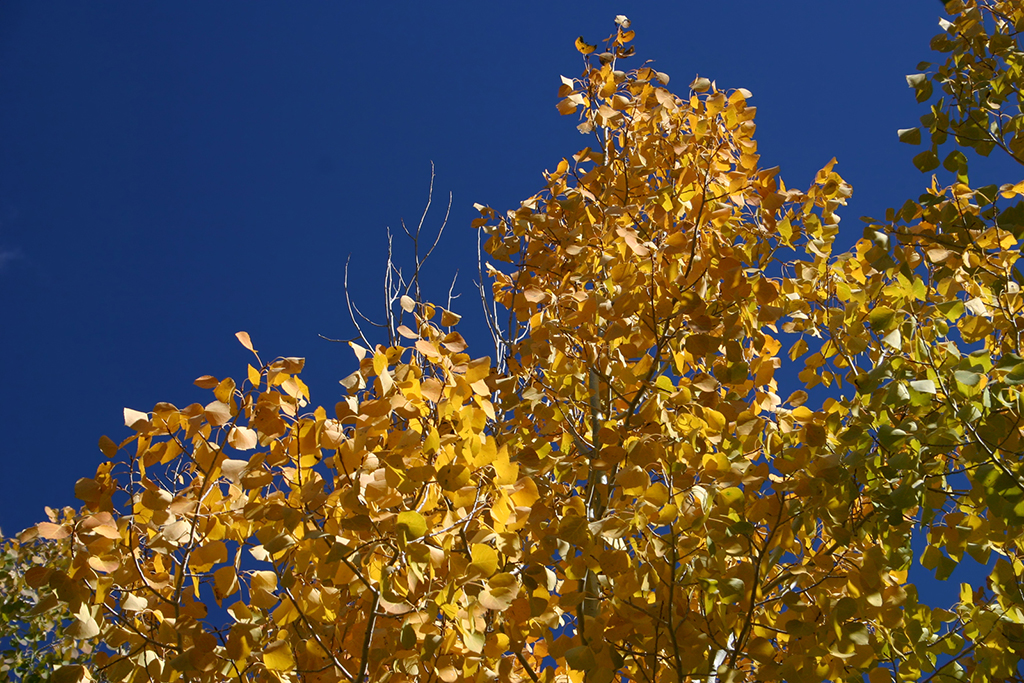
(205, 382)
(244, 338)
(52, 531)
(107, 446)
(427, 349)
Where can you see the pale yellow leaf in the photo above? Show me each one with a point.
(243, 337)
(217, 413)
(242, 438)
(135, 417)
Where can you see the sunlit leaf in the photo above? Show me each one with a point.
(413, 523)
(243, 338)
(584, 47)
(278, 656)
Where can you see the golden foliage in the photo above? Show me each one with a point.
(623, 491)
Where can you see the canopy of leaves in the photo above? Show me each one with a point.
(34, 635)
(621, 492)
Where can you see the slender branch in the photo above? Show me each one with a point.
(316, 637)
(526, 665)
(351, 307)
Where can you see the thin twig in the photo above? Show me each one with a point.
(351, 314)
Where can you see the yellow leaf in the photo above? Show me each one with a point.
(526, 493)
(1010, 191)
(505, 472)
(278, 656)
(732, 496)
(224, 389)
(584, 47)
(802, 413)
(658, 494)
(380, 362)
(485, 559)
(632, 478)
(478, 369)
(107, 446)
(254, 376)
(225, 582)
(716, 420)
(448, 318)
(413, 523)
(798, 349)
(501, 590)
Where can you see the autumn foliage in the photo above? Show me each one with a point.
(622, 491)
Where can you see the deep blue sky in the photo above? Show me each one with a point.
(171, 173)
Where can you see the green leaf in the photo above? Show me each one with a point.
(911, 136)
(967, 378)
(1003, 494)
(731, 590)
(946, 566)
(881, 317)
(413, 523)
(954, 160)
(1015, 376)
(952, 310)
(581, 658)
(924, 386)
(893, 339)
(926, 161)
(916, 81)
(890, 437)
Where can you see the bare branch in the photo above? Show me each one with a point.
(451, 289)
(352, 308)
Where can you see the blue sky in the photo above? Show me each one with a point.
(171, 173)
